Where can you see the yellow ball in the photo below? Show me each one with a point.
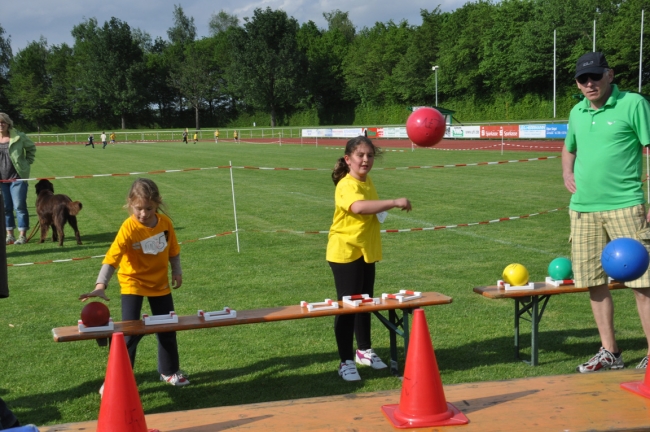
(515, 275)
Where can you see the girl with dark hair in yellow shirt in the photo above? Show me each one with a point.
(353, 248)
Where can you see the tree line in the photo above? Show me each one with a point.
(495, 62)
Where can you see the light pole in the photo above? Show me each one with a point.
(435, 69)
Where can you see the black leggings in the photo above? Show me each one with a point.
(357, 277)
(168, 362)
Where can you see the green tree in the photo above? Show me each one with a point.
(221, 22)
(413, 78)
(5, 60)
(61, 71)
(338, 20)
(183, 32)
(369, 63)
(111, 67)
(181, 35)
(30, 84)
(267, 66)
(324, 80)
(621, 44)
(197, 78)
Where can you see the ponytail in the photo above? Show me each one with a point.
(341, 169)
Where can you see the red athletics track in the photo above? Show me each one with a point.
(446, 144)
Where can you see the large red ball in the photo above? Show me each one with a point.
(426, 127)
(95, 314)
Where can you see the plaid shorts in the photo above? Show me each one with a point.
(590, 232)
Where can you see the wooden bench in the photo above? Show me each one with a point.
(396, 325)
(577, 402)
(532, 302)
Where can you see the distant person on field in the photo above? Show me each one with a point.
(90, 141)
(17, 153)
(103, 137)
(236, 136)
(144, 249)
(353, 248)
(196, 137)
(112, 137)
(216, 136)
(185, 136)
(602, 165)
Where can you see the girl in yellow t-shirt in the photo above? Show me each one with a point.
(144, 248)
(353, 248)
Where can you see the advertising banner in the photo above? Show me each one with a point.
(511, 131)
(556, 130)
(471, 131)
(491, 131)
(532, 131)
(394, 132)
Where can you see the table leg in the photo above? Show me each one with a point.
(396, 327)
(517, 328)
(531, 306)
(535, 317)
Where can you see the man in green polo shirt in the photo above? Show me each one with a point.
(602, 166)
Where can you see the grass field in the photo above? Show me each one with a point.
(48, 383)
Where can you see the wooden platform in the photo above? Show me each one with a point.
(577, 402)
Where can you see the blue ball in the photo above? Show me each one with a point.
(625, 259)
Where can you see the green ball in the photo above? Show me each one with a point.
(560, 269)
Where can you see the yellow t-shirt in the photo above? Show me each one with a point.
(142, 254)
(216, 134)
(353, 235)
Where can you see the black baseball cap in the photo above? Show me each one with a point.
(592, 62)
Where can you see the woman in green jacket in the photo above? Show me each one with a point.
(16, 155)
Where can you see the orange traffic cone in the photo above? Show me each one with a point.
(642, 388)
(121, 409)
(422, 403)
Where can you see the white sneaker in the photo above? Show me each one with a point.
(369, 358)
(348, 371)
(178, 379)
(101, 390)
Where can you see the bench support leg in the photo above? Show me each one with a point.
(396, 327)
(531, 307)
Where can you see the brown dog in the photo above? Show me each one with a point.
(55, 210)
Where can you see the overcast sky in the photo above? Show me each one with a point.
(27, 20)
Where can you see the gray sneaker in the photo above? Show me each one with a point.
(21, 240)
(10, 239)
(643, 364)
(602, 361)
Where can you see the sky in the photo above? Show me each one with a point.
(25, 21)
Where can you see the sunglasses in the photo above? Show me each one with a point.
(595, 77)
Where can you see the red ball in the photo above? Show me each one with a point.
(426, 127)
(95, 314)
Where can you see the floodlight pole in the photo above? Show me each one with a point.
(554, 70)
(435, 69)
(641, 52)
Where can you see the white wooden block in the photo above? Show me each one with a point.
(509, 287)
(403, 296)
(226, 313)
(107, 327)
(557, 283)
(170, 318)
(360, 300)
(324, 305)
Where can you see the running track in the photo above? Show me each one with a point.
(447, 144)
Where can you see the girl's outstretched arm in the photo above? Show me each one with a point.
(378, 206)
